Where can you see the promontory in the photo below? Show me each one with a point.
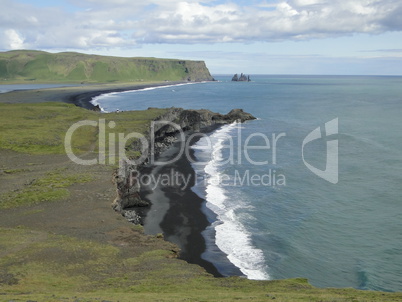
(32, 66)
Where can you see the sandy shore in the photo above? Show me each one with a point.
(78, 95)
(179, 213)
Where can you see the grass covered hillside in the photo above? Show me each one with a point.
(39, 66)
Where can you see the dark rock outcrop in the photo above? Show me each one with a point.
(97, 108)
(164, 133)
(242, 78)
(194, 121)
(127, 188)
(239, 115)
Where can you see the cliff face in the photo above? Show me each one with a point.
(197, 71)
(40, 66)
(190, 121)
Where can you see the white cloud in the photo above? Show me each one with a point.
(13, 39)
(111, 23)
(296, 19)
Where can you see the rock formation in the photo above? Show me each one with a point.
(242, 78)
(164, 134)
(128, 188)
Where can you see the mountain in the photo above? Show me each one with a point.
(39, 66)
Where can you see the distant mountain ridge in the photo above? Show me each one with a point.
(40, 66)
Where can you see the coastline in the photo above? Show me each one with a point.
(178, 212)
(84, 99)
(182, 219)
(80, 95)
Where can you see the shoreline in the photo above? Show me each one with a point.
(184, 206)
(84, 100)
(80, 95)
(179, 213)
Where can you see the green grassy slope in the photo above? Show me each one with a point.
(40, 66)
(46, 267)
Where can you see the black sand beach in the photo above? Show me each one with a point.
(80, 95)
(83, 99)
(180, 214)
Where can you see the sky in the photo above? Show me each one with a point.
(354, 37)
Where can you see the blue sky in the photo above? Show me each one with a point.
(361, 37)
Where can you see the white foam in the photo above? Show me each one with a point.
(95, 100)
(231, 236)
(234, 240)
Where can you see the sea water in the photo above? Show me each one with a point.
(276, 216)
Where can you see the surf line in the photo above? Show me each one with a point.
(231, 236)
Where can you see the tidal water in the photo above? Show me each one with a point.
(312, 188)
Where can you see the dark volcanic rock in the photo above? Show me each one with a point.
(239, 115)
(165, 130)
(128, 188)
(242, 78)
(97, 108)
(196, 120)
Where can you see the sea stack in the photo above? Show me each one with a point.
(242, 78)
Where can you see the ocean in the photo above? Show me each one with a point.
(312, 188)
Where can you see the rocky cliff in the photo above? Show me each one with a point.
(196, 120)
(39, 66)
(164, 134)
